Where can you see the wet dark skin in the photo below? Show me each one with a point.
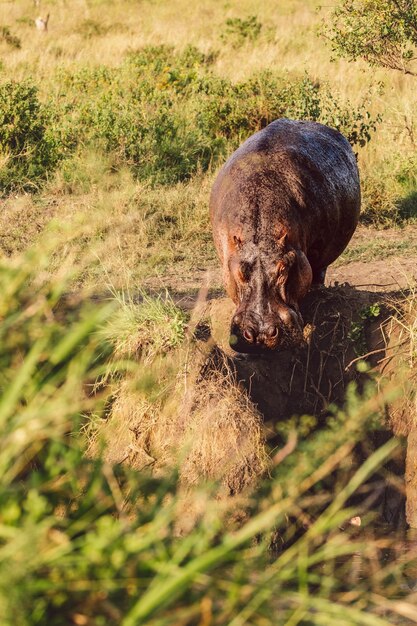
(283, 207)
(267, 288)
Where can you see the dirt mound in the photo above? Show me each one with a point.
(212, 430)
(291, 382)
(216, 433)
(226, 406)
(400, 364)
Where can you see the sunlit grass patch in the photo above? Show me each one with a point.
(373, 250)
(149, 326)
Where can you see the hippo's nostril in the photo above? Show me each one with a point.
(249, 335)
(273, 333)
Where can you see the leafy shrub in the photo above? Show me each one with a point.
(382, 32)
(236, 111)
(406, 178)
(25, 19)
(407, 172)
(168, 115)
(163, 114)
(156, 59)
(238, 31)
(28, 146)
(91, 28)
(9, 38)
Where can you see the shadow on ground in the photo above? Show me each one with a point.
(224, 411)
(407, 207)
(347, 327)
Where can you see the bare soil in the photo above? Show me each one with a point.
(375, 260)
(382, 275)
(388, 272)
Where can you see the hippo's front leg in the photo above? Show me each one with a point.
(319, 276)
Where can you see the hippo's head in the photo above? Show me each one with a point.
(266, 282)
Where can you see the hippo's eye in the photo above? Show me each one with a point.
(237, 241)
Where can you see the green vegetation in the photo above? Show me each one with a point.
(84, 542)
(357, 330)
(112, 126)
(238, 31)
(28, 148)
(151, 326)
(7, 36)
(164, 115)
(383, 32)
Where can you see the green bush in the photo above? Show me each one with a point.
(90, 28)
(236, 111)
(238, 31)
(167, 115)
(28, 147)
(7, 36)
(164, 114)
(382, 32)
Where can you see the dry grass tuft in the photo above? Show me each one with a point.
(209, 429)
(401, 346)
(127, 432)
(222, 435)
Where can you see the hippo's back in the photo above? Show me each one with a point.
(296, 176)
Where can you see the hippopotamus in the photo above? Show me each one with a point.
(283, 207)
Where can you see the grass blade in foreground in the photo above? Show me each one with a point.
(170, 585)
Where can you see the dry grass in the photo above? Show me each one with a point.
(145, 233)
(205, 425)
(137, 233)
(400, 334)
(222, 435)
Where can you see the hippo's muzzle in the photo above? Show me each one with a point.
(252, 333)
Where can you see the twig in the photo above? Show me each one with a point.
(309, 348)
(292, 375)
(364, 356)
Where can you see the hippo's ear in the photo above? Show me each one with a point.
(285, 264)
(305, 273)
(301, 276)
